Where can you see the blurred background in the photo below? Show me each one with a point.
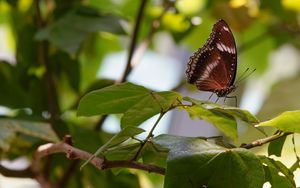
(87, 44)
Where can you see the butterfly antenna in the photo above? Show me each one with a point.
(245, 75)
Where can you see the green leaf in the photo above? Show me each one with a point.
(154, 154)
(136, 102)
(9, 128)
(275, 147)
(222, 121)
(111, 100)
(171, 142)
(149, 106)
(194, 162)
(123, 135)
(70, 30)
(242, 114)
(287, 121)
(278, 175)
(122, 152)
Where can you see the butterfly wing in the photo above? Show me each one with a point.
(213, 67)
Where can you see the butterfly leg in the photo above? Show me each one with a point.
(217, 99)
(210, 96)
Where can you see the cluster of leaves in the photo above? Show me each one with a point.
(57, 62)
(190, 162)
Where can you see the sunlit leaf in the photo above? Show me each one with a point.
(223, 121)
(287, 121)
(222, 117)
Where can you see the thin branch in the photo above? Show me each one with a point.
(134, 40)
(148, 137)
(266, 140)
(75, 153)
(43, 59)
(25, 173)
(294, 147)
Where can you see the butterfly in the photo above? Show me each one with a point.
(213, 67)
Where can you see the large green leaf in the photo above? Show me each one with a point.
(287, 121)
(278, 175)
(194, 162)
(9, 128)
(113, 99)
(69, 31)
(149, 106)
(136, 102)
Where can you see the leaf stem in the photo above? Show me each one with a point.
(148, 137)
(294, 146)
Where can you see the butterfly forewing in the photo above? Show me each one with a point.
(213, 67)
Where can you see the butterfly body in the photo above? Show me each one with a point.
(213, 67)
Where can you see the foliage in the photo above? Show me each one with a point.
(53, 88)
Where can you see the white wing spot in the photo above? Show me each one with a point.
(208, 70)
(225, 28)
(225, 48)
(219, 46)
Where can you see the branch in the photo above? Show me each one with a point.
(266, 140)
(43, 59)
(25, 173)
(75, 153)
(134, 40)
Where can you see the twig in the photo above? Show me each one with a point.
(43, 59)
(148, 137)
(294, 147)
(75, 153)
(134, 40)
(263, 141)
